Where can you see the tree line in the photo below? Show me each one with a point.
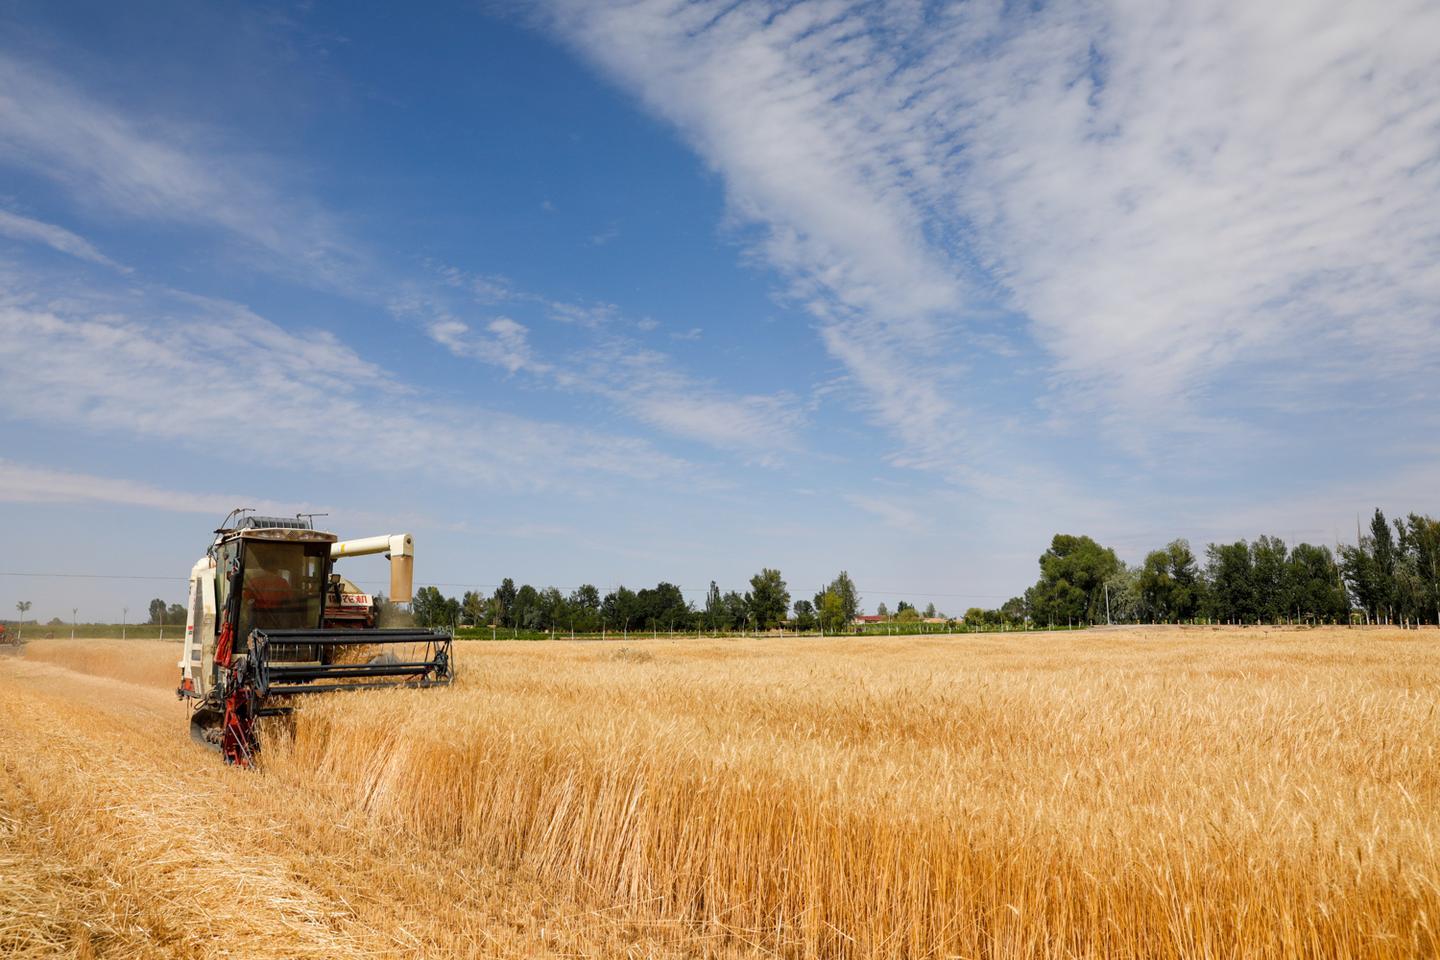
(162, 614)
(1390, 576)
(663, 607)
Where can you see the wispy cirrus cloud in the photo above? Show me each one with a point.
(213, 369)
(501, 342)
(640, 381)
(890, 511)
(164, 171)
(25, 483)
(56, 238)
(1173, 197)
(646, 384)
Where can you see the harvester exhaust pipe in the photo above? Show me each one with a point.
(400, 547)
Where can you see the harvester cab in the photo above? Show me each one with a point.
(268, 622)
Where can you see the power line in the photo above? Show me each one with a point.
(701, 590)
(92, 576)
(485, 586)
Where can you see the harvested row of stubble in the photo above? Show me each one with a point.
(150, 869)
(1147, 796)
(148, 662)
(42, 913)
(122, 839)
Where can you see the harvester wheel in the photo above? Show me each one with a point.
(207, 726)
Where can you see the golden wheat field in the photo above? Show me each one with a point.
(1133, 793)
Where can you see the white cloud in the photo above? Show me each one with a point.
(57, 238)
(642, 382)
(218, 377)
(21, 483)
(163, 172)
(156, 172)
(589, 315)
(505, 343)
(1177, 196)
(647, 385)
(893, 513)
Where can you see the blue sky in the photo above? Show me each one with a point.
(613, 293)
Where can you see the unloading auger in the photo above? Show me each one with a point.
(268, 621)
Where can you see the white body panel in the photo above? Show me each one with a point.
(200, 620)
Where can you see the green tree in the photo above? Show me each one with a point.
(621, 608)
(24, 607)
(526, 612)
(714, 608)
(473, 608)
(769, 598)
(844, 588)
(584, 608)
(585, 597)
(1073, 573)
(157, 611)
(805, 617)
(494, 612)
(175, 614)
(1230, 570)
(974, 617)
(1155, 586)
(1013, 610)
(1123, 594)
(553, 613)
(1268, 556)
(882, 610)
(907, 614)
(1057, 602)
(737, 611)
(1312, 584)
(1420, 546)
(1169, 585)
(833, 615)
(1384, 557)
(505, 602)
(1370, 568)
(930, 611)
(663, 608)
(1189, 596)
(433, 609)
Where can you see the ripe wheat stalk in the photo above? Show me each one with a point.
(1201, 794)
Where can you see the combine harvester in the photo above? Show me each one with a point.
(268, 621)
